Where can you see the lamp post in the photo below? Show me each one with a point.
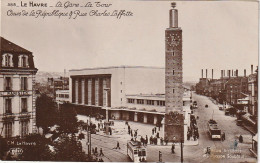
(106, 89)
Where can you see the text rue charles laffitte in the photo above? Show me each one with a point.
(66, 9)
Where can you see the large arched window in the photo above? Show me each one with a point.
(7, 60)
(23, 61)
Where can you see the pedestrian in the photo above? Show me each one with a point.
(155, 140)
(194, 137)
(173, 147)
(166, 141)
(101, 152)
(117, 145)
(223, 136)
(152, 131)
(161, 139)
(98, 125)
(188, 135)
(155, 129)
(151, 140)
(235, 144)
(240, 139)
(96, 152)
(158, 135)
(146, 140)
(110, 130)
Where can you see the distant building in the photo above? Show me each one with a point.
(61, 83)
(62, 96)
(253, 95)
(17, 93)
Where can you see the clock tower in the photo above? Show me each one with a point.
(173, 79)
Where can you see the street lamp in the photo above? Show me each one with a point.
(106, 89)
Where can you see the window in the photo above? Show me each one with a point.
(150, 102)
(139, 101)
(132, 101)
(161, 103)
(23, 61)
(7, 60)
(8, 106)
(24, 104)
(24, 83)
(121, 91)
(172, 53)
(24, 128)
(8, 84)
(172, 90)
(8, 129)
(172, 72)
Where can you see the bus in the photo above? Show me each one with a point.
(214, 131)
(136, 151)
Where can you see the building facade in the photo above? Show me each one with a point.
(117, 89)
(62, 96)
(17, 94)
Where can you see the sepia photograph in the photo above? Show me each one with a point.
(129, 81)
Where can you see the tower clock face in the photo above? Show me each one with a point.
(174, 40)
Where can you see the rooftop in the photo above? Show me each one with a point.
(8, 46)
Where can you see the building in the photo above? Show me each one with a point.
(112, 88)
(61, 83)
(17, 94)
(133, 93)
(173, 79)
(62, 96)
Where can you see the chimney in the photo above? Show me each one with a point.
(232, 73)
(229, 72)
(173, 16)
(251, 69)
(201, 73)
(224, 73)
(206, 73)
(221, 73)
(237, 72)
(212, 74)
(244, 72)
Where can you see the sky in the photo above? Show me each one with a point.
(217, 35)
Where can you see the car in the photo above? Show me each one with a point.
(227, 112)
(220, 108)
(239, 122)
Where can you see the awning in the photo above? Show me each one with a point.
(255, 137)
(247, 118)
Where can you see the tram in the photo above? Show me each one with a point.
(214, 131)
(136, 151)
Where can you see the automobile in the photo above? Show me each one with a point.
(220, 108)
(227, 112)
(239, 122)
(206, 106)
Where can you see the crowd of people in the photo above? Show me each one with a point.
(193, 132)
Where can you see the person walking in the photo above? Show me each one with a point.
(173, 147)
(166, 141)
(158, 135)
(117, 145)
(240, 139)
(223, 136)
(152, 131)
(101, 152)
(146, 140)
(235, 144)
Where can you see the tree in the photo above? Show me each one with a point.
(39, 150)
(67, 121)
(46, 112)
(3, 147)
(68, 148)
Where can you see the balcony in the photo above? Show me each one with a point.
(24, 115)
(8, 117)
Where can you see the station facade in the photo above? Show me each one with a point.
(133, 93)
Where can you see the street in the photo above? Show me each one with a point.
(221, 151)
